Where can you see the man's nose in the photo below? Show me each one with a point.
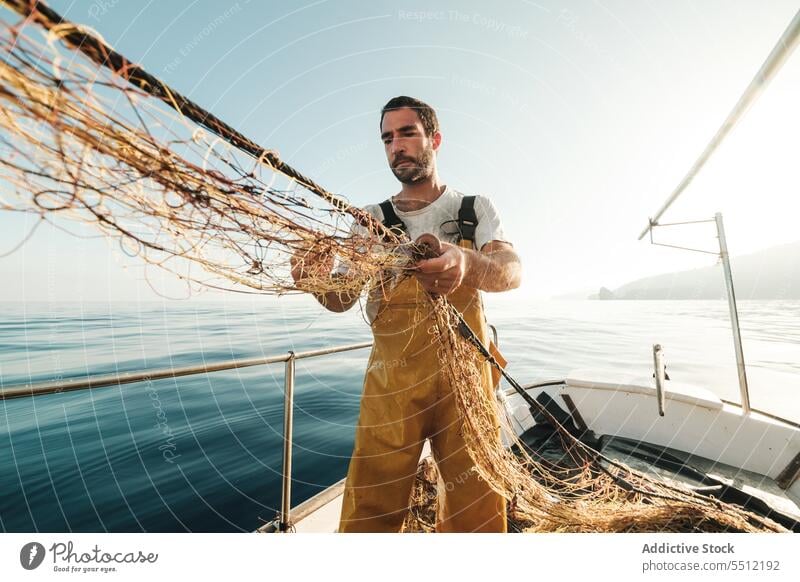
(396, 147)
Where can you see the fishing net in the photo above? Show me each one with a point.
(79, 141)
(592, 493)
(88, 136)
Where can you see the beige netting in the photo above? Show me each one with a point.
(602, 496)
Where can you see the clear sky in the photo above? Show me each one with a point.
(577, 118)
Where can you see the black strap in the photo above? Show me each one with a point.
(467, 219)
(390, 218)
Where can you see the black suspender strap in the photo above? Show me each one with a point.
(467, 219)
(390, 218)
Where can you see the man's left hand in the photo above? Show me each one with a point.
(445, 273)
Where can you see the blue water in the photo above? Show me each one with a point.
(203, 453)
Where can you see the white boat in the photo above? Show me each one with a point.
(706, 443)
(711, 445)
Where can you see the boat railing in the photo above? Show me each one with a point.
(282, 522)
(91, 382)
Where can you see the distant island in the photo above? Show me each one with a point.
(772, 273)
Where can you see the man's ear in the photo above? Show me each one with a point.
(437, 140)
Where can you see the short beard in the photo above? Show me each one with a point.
(420, 169)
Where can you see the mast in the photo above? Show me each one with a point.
(780, 53)
(775, 60)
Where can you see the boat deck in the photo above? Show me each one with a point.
(749, 482)
(320, 513)
(765, 449)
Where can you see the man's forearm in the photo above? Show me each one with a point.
(336, 301)
(494, 271)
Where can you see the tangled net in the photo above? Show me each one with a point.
(79, 140)
(85, 134)
(601, 496)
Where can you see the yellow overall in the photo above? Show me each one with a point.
(405, 401)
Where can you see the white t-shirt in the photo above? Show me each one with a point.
(440, 218)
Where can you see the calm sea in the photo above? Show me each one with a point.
(203, 453)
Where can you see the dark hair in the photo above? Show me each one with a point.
(427, 115)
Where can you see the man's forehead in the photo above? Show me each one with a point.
(400, 118)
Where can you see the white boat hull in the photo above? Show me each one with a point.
(753, 450)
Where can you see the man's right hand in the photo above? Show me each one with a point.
(308, 265)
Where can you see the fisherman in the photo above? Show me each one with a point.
(405, 399)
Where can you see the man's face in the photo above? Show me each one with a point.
(409, 151)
